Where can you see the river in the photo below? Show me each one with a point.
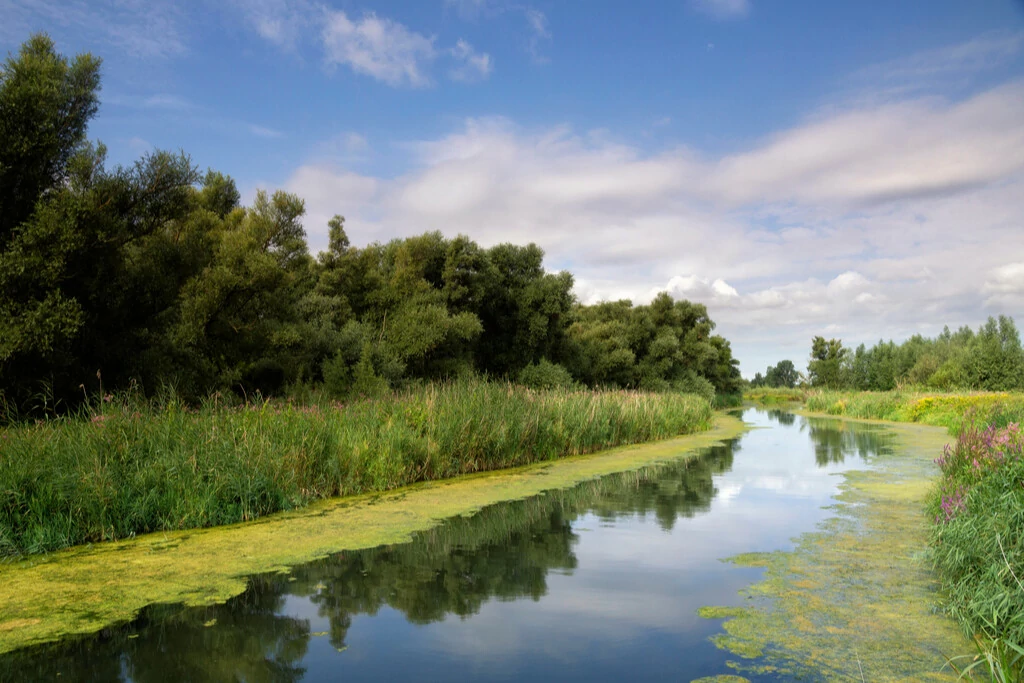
(600, 582)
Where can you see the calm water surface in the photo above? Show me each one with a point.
(597, 583)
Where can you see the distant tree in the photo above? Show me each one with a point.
(783, 374)
(826, 365)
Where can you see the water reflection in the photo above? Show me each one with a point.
(650, 561)
(834, 442)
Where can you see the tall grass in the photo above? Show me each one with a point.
(770, 395)
(127, 468)
(945, 410)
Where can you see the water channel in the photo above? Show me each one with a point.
(601, 582)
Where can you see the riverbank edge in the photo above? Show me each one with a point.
(84, 589)
(823, 607)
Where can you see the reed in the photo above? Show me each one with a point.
(126, 467)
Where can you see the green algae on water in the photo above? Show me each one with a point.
(85, 589)
(856, 599)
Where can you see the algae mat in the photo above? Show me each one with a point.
(856, 599)
(82, 590)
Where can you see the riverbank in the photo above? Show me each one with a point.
(128, 469)
(84, 589)
(975, 509)
(855, 599)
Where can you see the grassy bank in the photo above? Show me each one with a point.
(87, 588)
(946, 410)
(770, 396)
(125, 470)
(977, 509)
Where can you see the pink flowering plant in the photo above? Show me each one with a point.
(978, 532)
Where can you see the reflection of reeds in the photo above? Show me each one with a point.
(144, 468)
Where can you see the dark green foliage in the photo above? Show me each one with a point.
(991, 359)
(155, 276)
(545, 375)
(666, 345)
(781, 376)
(827, 365)
(45, 104)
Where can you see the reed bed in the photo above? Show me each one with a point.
(125, 468)
(951, 410)
(770, 396)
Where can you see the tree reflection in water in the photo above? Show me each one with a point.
(504, 552)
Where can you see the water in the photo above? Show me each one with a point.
(600, 582)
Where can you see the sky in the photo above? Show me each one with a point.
(845, 169)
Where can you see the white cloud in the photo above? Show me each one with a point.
(936, 67)
(472, 65)
(723, 9)
(263, 131)
(538, 22)
(282, 22)
(381, 48)
(1005, 287)
(876, 220)
(145, 29)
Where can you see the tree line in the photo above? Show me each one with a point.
(155, 275)
(991, 359)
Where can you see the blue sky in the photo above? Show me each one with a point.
(852, 169)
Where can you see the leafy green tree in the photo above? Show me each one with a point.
(783, 374)
(46, 103)
(826, 365)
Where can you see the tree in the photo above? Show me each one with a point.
(826, 365)
(783, 374)
(46, 103)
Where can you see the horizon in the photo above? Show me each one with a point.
(854, 171)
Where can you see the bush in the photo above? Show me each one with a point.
(546, 375)
(697, 385)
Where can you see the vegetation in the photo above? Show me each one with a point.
(781, 375)
(978, 540)
(990, 359)
(133, 469)
(770, 396)
(977, 507)
(156, 276)
(87, 589)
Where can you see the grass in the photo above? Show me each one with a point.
(768, 395)
(126, 468)
(945, 410)
(977, 508)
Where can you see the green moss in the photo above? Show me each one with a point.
(719, 612)
(856, 599)
(84, 589)
(721, 679)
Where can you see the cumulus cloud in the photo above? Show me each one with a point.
(881, 219)
(1005, 287)
(471, 65)
(381, 48)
